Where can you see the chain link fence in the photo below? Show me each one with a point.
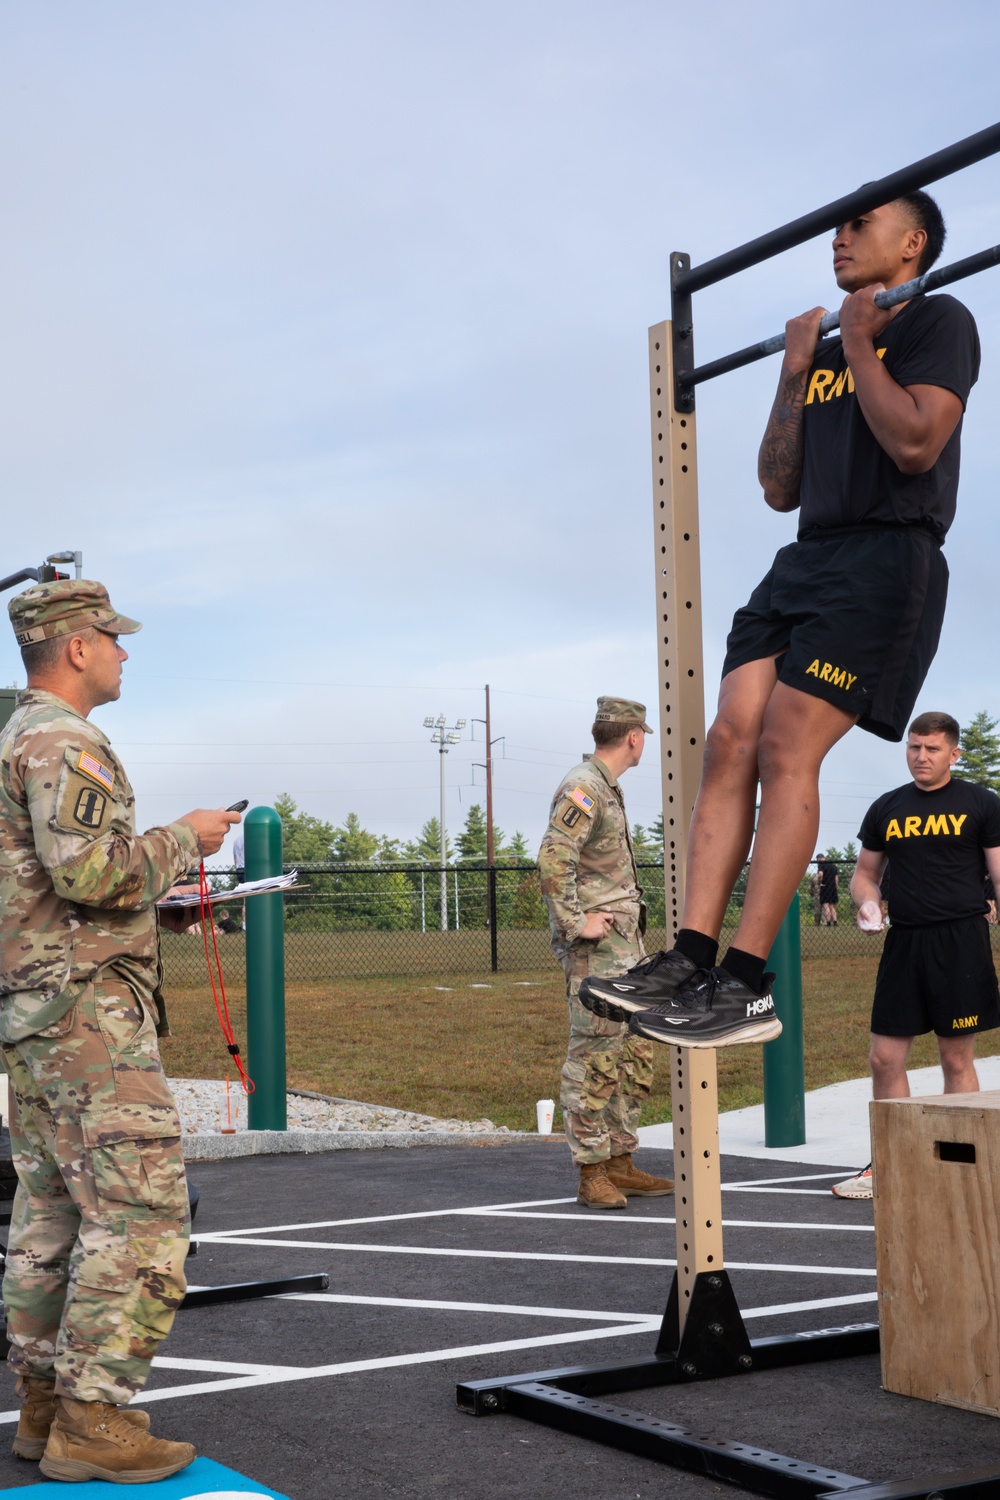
(382, 920)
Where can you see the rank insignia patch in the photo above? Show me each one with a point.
(91, 766)
(90, 806)
(579, 796)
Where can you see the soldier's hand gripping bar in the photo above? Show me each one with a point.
(929, 282)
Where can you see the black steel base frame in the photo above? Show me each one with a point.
(714, 1343)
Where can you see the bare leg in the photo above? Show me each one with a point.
(722, 822)
(958, 1063)
(797, 732)
(888, 1064)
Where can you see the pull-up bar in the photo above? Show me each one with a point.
(929, 282)
(686, 279)
(871, 195)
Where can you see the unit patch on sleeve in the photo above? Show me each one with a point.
(571, 816)
(91, 766)
(90, 808)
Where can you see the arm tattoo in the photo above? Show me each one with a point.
(780, 461)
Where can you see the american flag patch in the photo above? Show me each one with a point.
(91, 766)
(579, 796)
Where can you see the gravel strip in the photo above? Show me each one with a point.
(203, 1111)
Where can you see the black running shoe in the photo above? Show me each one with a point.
(649, 983)
(714, 1009)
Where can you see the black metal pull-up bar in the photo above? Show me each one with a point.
(907, 180)
(686, 279)
(929, 282)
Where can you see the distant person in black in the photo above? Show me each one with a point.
(829, 890)
(863, 440)
(939, 836)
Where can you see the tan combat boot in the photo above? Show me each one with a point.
(633, 1182)
(38, 1407)
(96, 1440)
(596, 1189)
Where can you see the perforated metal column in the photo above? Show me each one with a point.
(678, 615)
(693, 1073)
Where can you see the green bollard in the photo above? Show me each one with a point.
(784, 1058)
(265, 974)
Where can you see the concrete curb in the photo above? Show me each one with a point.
(286, 1142)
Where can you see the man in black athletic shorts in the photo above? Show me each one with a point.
(863, 440)
(939, 837)
(829, 890)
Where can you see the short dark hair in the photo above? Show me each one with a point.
(937, 723)
(43, 656)
(926, 215)
(608, 732)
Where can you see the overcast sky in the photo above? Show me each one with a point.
(324, 337)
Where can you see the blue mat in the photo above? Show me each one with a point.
(202, 1480)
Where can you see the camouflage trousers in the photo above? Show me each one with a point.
(608, 1072)
(100, 1224)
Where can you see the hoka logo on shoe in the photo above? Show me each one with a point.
(760, 1007)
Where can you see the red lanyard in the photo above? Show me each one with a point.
(219, 994)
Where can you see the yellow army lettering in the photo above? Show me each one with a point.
(964, 1023)
(836, 676)
(935, 824)
(826, 385)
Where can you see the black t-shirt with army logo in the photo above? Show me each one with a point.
(934, 842)
(848, 479)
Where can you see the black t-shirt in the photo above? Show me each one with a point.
(934, 842)
(827, 872)
(848, 479)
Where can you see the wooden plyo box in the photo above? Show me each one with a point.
(937, 1247)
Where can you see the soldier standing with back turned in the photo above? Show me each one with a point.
(591, 888)
(99, 1230)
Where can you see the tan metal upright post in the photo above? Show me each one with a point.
(693, 1071)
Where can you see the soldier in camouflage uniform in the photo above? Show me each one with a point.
(590, 885)
(99, 1232)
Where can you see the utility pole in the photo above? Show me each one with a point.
(491, 876)
(444, 737)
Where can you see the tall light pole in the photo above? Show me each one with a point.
(491, 874)
(444, 737)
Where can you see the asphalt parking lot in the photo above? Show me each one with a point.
(461, 1263)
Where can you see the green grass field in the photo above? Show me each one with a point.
(473, 1046)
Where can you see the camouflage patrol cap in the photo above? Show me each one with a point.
(63, 607)
(621, 711)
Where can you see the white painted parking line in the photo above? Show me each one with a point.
(633, 1219)
(392, 1361)
(243, 1376)
(781, 1308)
(535, 1255)
(220, 1366)
(773, 1181)
(777, 1192)
(773, 1310)
(585, 1314)
(475, 1211)
(426, 1213)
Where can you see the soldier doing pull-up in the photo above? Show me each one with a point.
(863, 440)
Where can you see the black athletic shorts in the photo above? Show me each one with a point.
(855, 615)
(937, 978)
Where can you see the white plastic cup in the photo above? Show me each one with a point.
(545, 1109)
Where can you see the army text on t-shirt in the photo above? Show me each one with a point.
(934, 842)
(848, 479)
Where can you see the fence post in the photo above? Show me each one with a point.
(265, 918)
(491, 887)
(784, 1058)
